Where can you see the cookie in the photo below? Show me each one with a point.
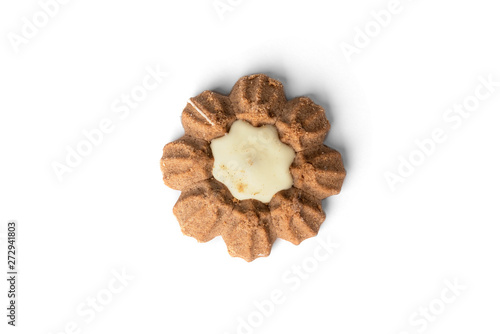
(213, 204)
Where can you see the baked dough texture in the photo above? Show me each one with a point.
(206, 208)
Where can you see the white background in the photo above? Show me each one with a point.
(112, 212)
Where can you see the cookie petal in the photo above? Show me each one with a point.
(186, 161)
(207, 116)
(203, 209)
(258, 99)
(302, 124)
(296, 215)
(249, 233)
(318, 171)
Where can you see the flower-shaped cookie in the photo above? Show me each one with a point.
(206, 208)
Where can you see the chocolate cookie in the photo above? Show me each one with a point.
(207, 208)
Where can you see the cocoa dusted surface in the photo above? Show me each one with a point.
(206, 208)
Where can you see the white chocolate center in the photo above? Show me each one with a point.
(252, 162)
